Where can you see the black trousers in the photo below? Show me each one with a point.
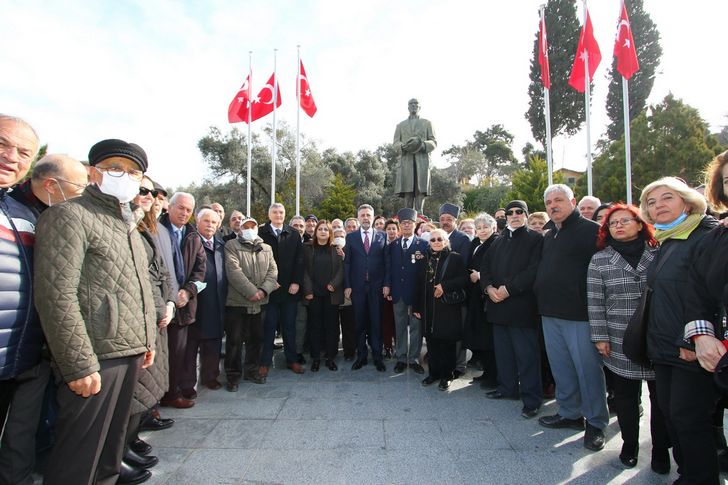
(323, 326)
(627, 397)
(688, 399)
(518, 359)
(242, 327)
(348, 330)
(177, 343)
(209, 350)
(441, 357)
(91, 431)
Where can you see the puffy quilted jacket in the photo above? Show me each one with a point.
(21, 337)
(249, 266)
(92, 287)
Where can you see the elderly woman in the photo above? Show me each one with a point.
(616, 278)
(685, 391)
(323, 287)
(478, 332)
(443, 274)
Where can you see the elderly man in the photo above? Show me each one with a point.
(337, 224)
(364, 284)
(23, 373)
(351, 224)
(299, 224)
(205, 335)
(236, 218)
(588, 205)
(222, 231)
(403, 259)
(95, 301)
(283, 302)
(507, 275)
(189, 273)
(561, 291)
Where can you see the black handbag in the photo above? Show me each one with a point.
(634, 342)
(455, 297)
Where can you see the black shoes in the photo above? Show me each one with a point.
(151, 423)
(499, 395)
(558, 421)
(661, 461)
(629, 461)
(388, 354)
(488, 385)
(428, 381)
(140, 447)
(417, 368)
(130, 475)
(139, 461)
(529, 413)
(358, 364)
(379, 365)
(254, 378)
(331, 365)
(594, 439)
(399, 367)
(315, 365)
(300, 359)
(231, 386)
(457, 374)
(444, 384)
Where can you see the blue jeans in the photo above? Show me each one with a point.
(577, 369)
(285, 313)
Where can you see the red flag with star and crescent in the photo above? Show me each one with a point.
(307, 103)
(262, 104)
(587, 48)
(543, 55)
(238, 109)
(624, 48)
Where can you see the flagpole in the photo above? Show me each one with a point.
(587, 102)
(547, 110)
(250, 139)
(627, 148)
(298, 130)
(274, 147)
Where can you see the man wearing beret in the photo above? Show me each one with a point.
(95, 302)
(403, 258)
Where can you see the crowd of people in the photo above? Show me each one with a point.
(117, 299)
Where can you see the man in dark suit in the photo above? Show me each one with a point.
(459, 243)
(403, 258)
(282, 304)
(363, 283)
(205, 335)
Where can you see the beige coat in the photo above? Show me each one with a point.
(249, 267)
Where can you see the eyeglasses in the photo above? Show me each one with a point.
(145, 191)
(515, 211)
(437, 239)
(80, 186)
(623, 221)
(118, 172)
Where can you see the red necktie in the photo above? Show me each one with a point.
(366, 242)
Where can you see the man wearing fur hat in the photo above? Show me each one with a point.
(96, 306)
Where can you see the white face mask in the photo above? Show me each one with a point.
(249, 234)
(340, 241)
(62, 194)
(123, 188)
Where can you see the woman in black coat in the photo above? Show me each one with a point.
(478, 332)
(443, 274)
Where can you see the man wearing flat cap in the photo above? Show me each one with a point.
(96, 306)
(403, 258)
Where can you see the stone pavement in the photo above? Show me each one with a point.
(369, 427)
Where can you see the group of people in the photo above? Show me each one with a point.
(118, 299)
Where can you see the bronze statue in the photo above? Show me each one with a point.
(414, 139)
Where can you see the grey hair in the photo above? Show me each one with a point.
(19, 121)
(178, 195)
(485, 218)
(365, 206)
(442, 234)
(295, 218)
(591, 198)
(276, 205)
(351, 219)
(205, 211)
(563, 188)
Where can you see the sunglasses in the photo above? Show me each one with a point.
(437, 239)
(145, 191)
(514, 212)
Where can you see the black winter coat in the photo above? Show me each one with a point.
(512, 261)
(477, 334)
(288, 254)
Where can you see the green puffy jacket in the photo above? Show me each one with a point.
(92, 287)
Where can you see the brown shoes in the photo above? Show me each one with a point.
(296, 367)
(179, 403)
(263, 371)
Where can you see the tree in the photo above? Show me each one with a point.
(670, 138)
(338, 200)
(484, 199)
(567, 105)
(722, 136)
(529, 184)
(647, 43)
(487, 157)
(444, 188)
(368, 178)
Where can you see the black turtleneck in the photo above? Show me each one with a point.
(631, 251)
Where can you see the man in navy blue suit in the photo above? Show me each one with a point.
(363, 283)
(459, 243)
(403, 258)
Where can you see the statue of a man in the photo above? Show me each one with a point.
(414, 139)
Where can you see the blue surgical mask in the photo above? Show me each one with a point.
(665, 227)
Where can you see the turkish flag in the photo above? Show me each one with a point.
(238, 109)
(624, 49)
(543, 55)
(307, 103)
(263, 103)
(587, 48)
